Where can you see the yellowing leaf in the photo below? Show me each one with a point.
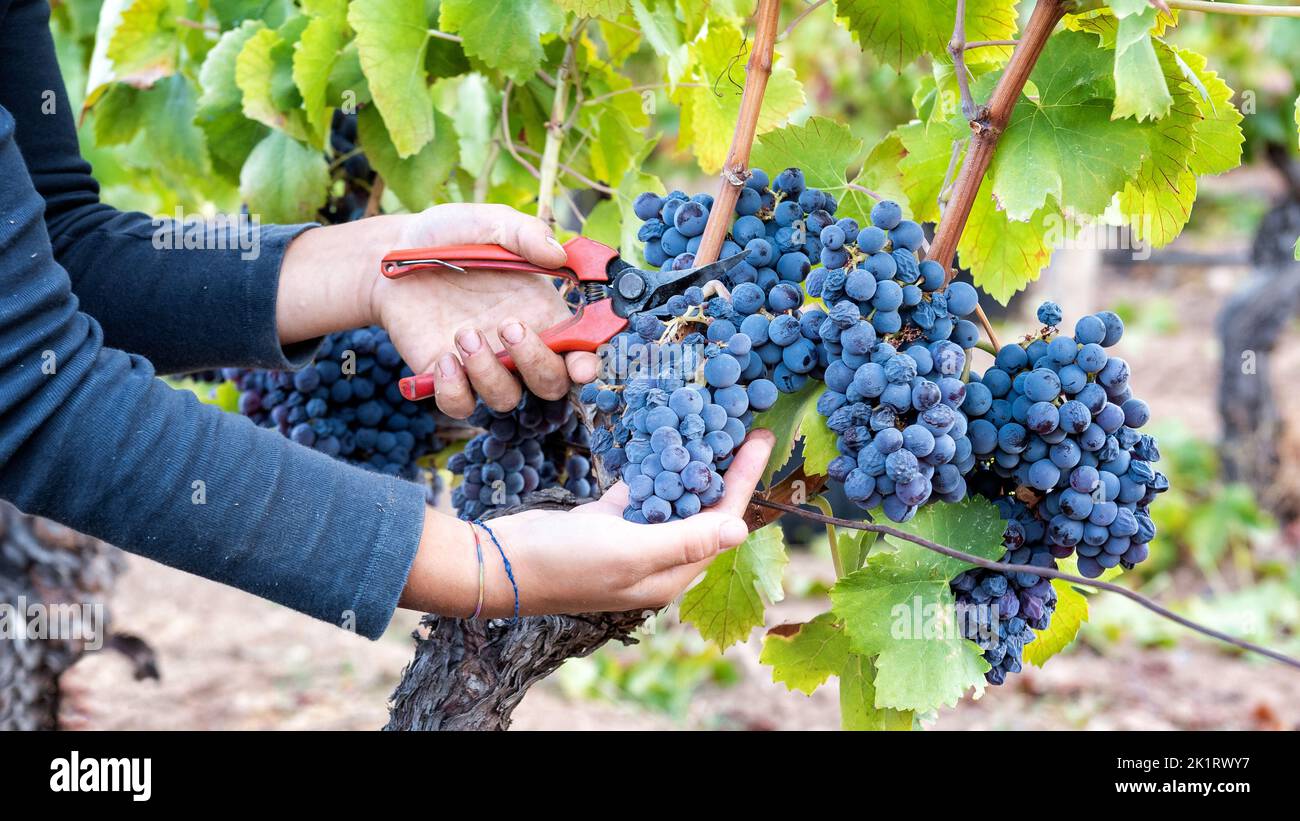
(145, 45)
(727, 603)
(803, 656)
(709, 113)
(313, 60)
(608, 9)
(1005, 255)
(1071, 612)
(392, 37)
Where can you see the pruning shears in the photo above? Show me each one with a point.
(611, 289)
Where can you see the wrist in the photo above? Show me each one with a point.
(328, 277)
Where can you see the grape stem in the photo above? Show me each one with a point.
(735, 170)
(1239, 9)
(800, 17)
(548, 170)
(1043, 572)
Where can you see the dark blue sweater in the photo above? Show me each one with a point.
(89, 437)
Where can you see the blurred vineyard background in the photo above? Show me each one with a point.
(1226, 553)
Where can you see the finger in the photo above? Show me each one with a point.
(617, 494)
(542, 369)
(666, 585)
(531, 238)
(493, 383)
(458, 224)
(688, 541)
(451, 388)
(583, 367)
(744, 472)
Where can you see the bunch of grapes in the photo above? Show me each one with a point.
(1054, 428)
(897, 342)
(888, 340)
(346, 404)
(536, 445)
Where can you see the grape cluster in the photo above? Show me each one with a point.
(897, 342)
(534, 446)
(1054, 427)
(1049, 433)
(346, 404)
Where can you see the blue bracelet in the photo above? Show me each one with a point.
(510, 573)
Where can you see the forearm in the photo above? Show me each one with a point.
(328, 274)
(444, 576)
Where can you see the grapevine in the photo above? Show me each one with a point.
(841, 327)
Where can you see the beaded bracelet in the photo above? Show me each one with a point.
(510, 573)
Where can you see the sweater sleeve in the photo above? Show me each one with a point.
(90, 438)
(183, 308)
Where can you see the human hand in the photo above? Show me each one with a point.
(447, 322)
(588, 559)
(453, 323)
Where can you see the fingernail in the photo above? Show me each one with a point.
(556, 243)
(512, 333)
(733, 532)
(468, 340)
(447, 366)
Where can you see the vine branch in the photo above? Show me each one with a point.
(1043, 572)
(550, 161)
(735, 170)
(799, 18)
(1238, 9)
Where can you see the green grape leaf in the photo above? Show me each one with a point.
(1140, 87)
(230, 135)
(858, 710)
(662, 31)
(607, 9)
(167, 115)
(899, 608)
(1217, 138)
(825, 150)
(820, 443)
(803, 656)
(972, 526)
(392, 36)
(117, 115)
(145, 46)
(313, 60)
(1297, 119)
(727, 603)
(1070, 614)
(784, 419)
(265, 61)
(898, 33)
(710, 109)
(504, 35)
(284, 180)
(1063, 144)
(416, 179)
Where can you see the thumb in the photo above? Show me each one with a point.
(692, 540)
(533, 240)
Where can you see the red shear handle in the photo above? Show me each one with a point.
(587, 260)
